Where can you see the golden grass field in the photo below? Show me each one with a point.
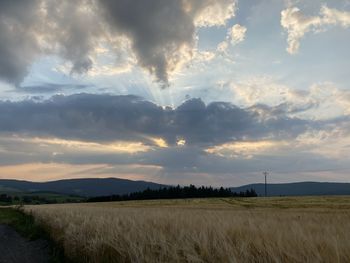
(300, 229)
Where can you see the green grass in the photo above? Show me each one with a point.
(40, 198)
(26, 226)
(8, 189)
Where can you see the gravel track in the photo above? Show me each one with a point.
(15, 248)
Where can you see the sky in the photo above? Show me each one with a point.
(204, 92)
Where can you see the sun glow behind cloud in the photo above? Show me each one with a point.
(41, 172)
(160, 142)
(181, 142)
(117, 147)
(245, 149)
(57, 146)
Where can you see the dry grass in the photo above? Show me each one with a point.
(207, 230)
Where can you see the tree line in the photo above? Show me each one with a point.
(175, 192)
(6, 199)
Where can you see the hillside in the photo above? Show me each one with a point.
(298, 189)
(114, 186)
(81, 187)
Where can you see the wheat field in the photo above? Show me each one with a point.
(202, 230)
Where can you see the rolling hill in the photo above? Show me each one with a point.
(298, 189)
(108, 186)
(82, 187)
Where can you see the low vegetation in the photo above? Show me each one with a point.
(29, 228)
(314, 229)
(23, 223)
(23, 198)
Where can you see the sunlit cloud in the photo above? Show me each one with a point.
(215, 14)
(297, 24)
(319, 101)
(334, 143)
(181, 142)
(237, 34)
(160, 142)
(109, 70)
(245, 149)
(62, 145)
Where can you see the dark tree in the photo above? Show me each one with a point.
(175, 192)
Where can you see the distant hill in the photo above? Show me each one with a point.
(113, 186)
(295, 189)
(82, 187)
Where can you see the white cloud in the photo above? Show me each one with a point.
(298, 24)
(335, 17)
(213, 13)
(332, 142)
(319, 101)
(237, 34)
(246, 149)
(204, 56)
(222, 47)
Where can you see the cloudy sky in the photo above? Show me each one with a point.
(210, 92)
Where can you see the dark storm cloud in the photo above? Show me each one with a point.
(195, 160)
(157, 28)
(161, 32)
(18, 43)
(30, 28)
(73, 31)
(108, 118)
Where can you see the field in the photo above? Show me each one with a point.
(300, 229)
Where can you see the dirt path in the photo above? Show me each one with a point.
(14, 248)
